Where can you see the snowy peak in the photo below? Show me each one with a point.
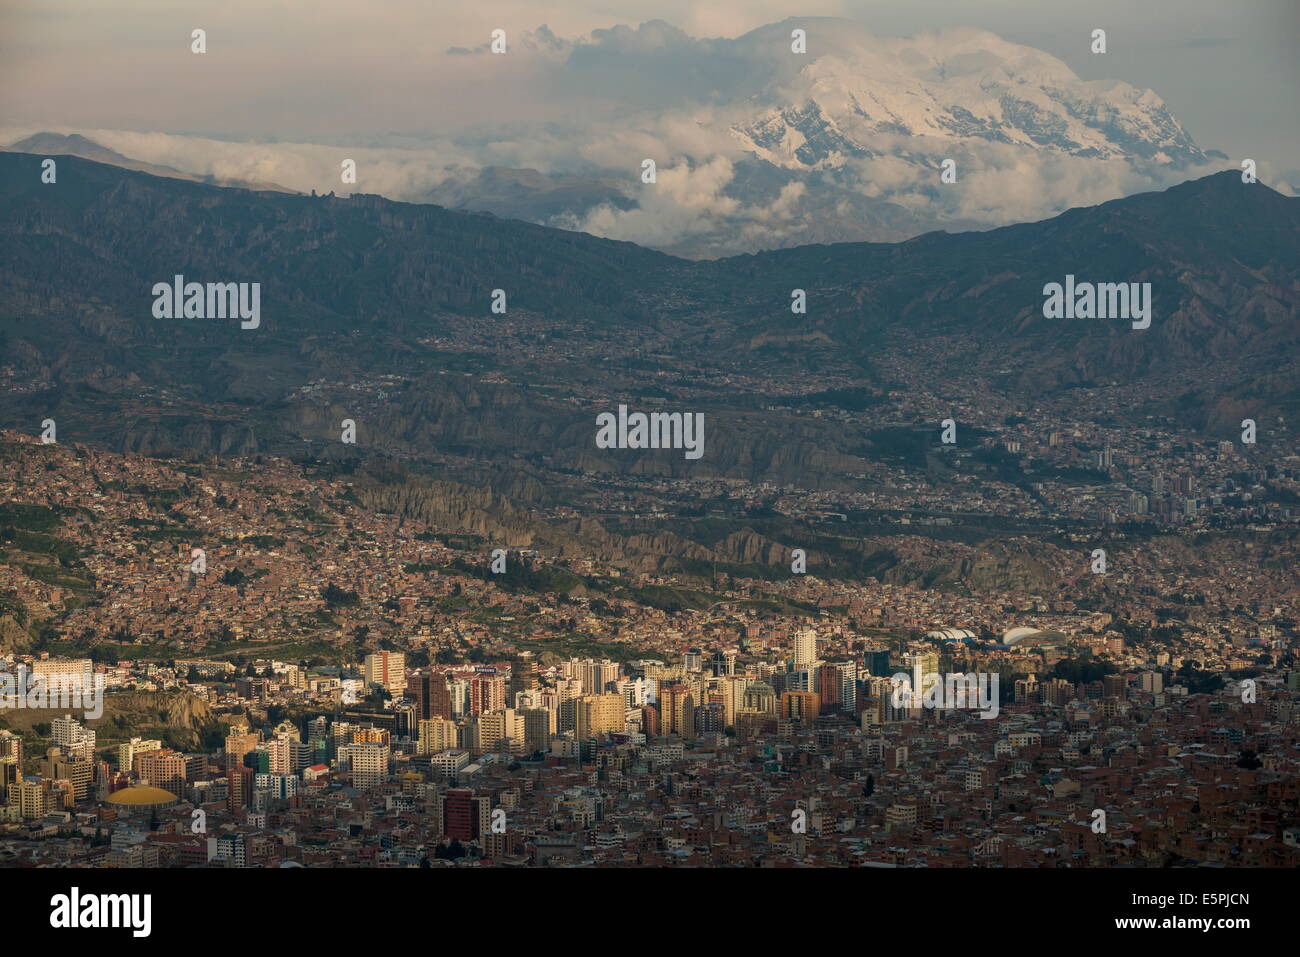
(858, 93)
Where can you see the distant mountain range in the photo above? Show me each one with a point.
(967, 86)
(59, 144)
(384, 307)
(757, 147)
(847, 139)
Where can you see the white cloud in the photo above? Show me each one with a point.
(578, 98)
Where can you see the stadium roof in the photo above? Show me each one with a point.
(141, 795)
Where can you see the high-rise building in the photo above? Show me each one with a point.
(277, 785)
(760, 697)
(67, 733)
(302, 755)
(566, 708)
(877, 662)
(849, 673)
(487, 691)
(67, 673)
(1026, 688)
(431, 694)
(636, 691)
(799, 706)
(597, 676)
(239, 777)
(497, 729)
(163, 768)
(127, 750)
(239, 785)
(278, 748)
(801, 679)
(11, 763)
(922, 669)
(709, 718)
(730, 694)
(1056, 691)
(600, 714)
(650, 722)
(11, 746)
(368, 762)
(677, 712)
(259, 759)
(58, 766)
(805, 648)
(387, 669)
(837, 686)
(523, 677)
(539, 725)
(438, 734)
(35, 798)
(464, 816)
(238, 745)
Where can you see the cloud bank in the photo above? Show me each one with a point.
(755, 147)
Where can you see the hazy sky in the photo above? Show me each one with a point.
(313, 70)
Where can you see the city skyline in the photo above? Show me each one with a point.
(527, 443)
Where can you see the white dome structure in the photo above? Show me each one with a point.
(951, 634)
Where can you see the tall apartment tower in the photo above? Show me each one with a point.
(163, 768)
(679, 711)
(600, 714)
(805, 648)
(437, 734)
(487, 691)
(464, 816)
(597, 676)
(386, 669)
(431, 694)
(59, 766)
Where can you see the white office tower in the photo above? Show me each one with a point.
(805, 648)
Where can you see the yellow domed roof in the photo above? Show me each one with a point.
(141, 794)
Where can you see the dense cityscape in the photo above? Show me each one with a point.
(335, 685)
(853, 445)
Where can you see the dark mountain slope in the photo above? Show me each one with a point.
(353, 289)
(58, 144)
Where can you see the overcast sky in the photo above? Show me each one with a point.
(315, 70)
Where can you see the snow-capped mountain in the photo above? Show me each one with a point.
(846, 141)
(759, 147)
(858, 94)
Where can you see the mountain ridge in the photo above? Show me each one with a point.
(58, 144)
(957, 84)
(760, 147)
(357, 287)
